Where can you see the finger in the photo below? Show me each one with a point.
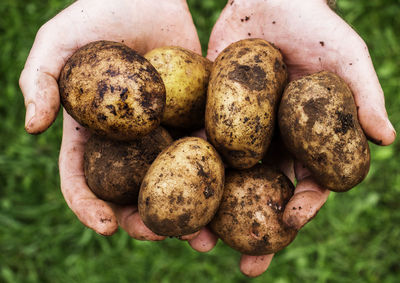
(205, 241)
(91, 211)
(190, 236)
(53, 44)
(358, 70)
(343, 51)
(307, 200)
(42, 100)
(129, 220)
(254, 266)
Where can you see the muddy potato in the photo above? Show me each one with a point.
(114, 169)
(249, 218)
(319, 125)
(112, 90)
(245, 86)
(185, 75)
(182, 188)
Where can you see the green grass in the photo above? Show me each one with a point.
(354, 238)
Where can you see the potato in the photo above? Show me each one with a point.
(114, 169)
(182, 188)
(185, 75)
(112, 90)
(249, 218)
(319, 125)
(246, 83)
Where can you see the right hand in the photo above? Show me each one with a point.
(142, 25)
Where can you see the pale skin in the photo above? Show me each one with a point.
(310, 36)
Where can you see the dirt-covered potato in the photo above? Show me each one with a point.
(245, 86)
(319, 125)
(182, 188)
(112, 90)
(185, 75)
(114, 169)
(249, 218)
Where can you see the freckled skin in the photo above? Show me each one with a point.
(249, 218)
(112, 90)
(185, 75)
(182, 189)
(114, 169)
(245, 86)
(319, 125)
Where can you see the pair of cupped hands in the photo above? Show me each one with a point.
(309, 34)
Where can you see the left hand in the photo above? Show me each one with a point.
(311, 38)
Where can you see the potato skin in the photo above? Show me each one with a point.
(319, 125)
(114, 169)
(182, 189)
(112, 90)
(249, 218)
(245, 86)
(185, 75)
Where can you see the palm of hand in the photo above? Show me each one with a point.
(311, 38)
(81, 23)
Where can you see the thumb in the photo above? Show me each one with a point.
(42, 100)
(38, 80)
(55, 42)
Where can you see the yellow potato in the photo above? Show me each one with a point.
(319, 125)
(185, 75)
(182, 188)
(245, 86)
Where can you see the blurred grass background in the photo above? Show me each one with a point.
(354, 238)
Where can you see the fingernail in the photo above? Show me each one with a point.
(30, 114)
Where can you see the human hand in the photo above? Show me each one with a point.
(312, 38)
(142, 25)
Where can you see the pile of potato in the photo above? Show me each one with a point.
(183, 185)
